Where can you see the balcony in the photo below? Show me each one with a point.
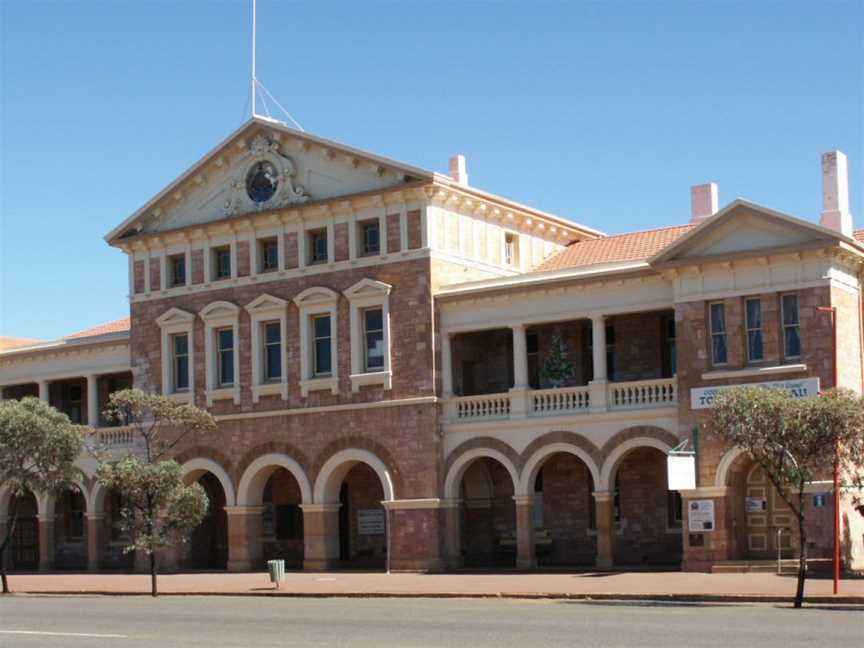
(568, 368)
(566, 401)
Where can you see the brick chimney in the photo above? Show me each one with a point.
(835, 193)
(704, 201)
(459, 169)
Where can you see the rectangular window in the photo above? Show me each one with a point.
(719, 351)
(371, 238)
(225, 356)
(180, 351)
(222, 262)
(268, 254)
(373, 334)
(755, 351)
(318, 246)
(177, 270)
(272, 351)
(510, 250)
(321, 346)
(791, 327)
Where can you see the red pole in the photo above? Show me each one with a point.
(833, 311)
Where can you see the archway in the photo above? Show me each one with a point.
(356, 484)
(70, 529)
(112, 540)
(487, 515)
(208, 542)
(647, 515)
(24, 549)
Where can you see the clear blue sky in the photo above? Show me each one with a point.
(605, 113)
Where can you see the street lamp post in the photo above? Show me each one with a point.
(833, 312)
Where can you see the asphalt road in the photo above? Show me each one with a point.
(215, 622)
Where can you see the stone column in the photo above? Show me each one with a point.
(44, 391)
(95, 524)
(93, 401)
(244, 537)
(446, 366)
(320, 536)
(597, 386)
(453, 532)
(604, 507)
(519, 391)
(525, 556)
(46, 542)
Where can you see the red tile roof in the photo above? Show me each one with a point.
(632, 246)
(859, 235)
(117, 326)
(8, 342)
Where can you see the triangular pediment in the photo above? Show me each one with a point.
(266, 302)
(219, 309)
(316, 295)
(742, 228)
(367, 288)
(264, 166)
(174, 316)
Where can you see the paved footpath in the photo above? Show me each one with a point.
(623, 585)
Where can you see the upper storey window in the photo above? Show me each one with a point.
(755, 351)
(221, 262)
(511, 249)
(373, 332)
(268, 253)
(370, 240)
(719, 349)
(180, 361)
(318, 246)
(177, 270)
(262, 182)
(225, 356)
(791, 327)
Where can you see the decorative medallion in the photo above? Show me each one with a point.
(262, 181)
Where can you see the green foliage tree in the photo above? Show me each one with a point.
(158, 509)
(557, 369)
(38, 446)
(795, 441)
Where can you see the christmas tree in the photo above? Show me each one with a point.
(557, 369)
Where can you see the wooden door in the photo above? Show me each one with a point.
(766, 514)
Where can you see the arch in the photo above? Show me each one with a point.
(460, 465)
(615, 457)
(536, 460)
(726, 462)
(255, 477)
(333, 471)
(316, 295)
(195, 468)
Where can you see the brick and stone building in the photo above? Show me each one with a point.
(374, 342)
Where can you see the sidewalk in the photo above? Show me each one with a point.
(681, 586)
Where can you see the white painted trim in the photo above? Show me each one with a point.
(368, 293)
(535, 462)
(453, 481)
(194, 467)
(172, 322)
(267, 308)
(404, 402)
(753, 371)
(726, 462)
(217, 315)
(618, 454)
(336, 468)
(413, 504)
(255, 477)
(313, 301)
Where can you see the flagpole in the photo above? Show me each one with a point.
(254, 79)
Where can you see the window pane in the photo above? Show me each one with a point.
(718, 318)
(272, 333)
(719, 348)
(226, 339)
(371, 239)
(374, 319)
(322, 356)
(226, 367)
(322, 327)
(181, 345)
(793, 342)
(754, 314)
(375, 350)
(181, 372)
(790, 309)
(754, 345)
(274, 361)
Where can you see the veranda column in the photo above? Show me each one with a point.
(604, 508)
(525, 556)
(46, 542)
(94, 540)
(446, 366)
(44, 391)
(93, 401)
(320, 536)
(518, 394)
(244, 537)
(597, 386)
(453, 532)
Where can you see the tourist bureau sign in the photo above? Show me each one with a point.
(703, 397)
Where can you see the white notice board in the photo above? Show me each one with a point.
(700, 515)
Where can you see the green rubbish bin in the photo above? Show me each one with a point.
(277, 571)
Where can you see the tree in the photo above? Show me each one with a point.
(38, 446)
(794, 441)
(557, 369)
(158, 510)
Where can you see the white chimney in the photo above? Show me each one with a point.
(704, 201)
(459, 169)
(835, 193)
